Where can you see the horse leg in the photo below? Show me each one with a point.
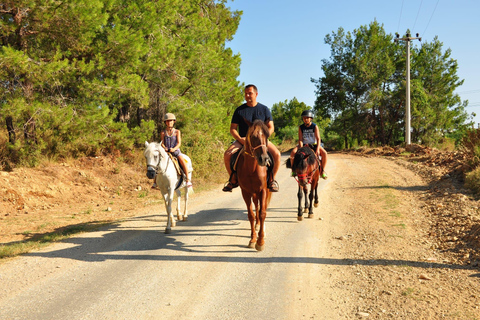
(305, 193)
(179, 215)
(168, 198)
(260, 245)
(257, 218)
(185, 211)
(300, 209)
(251, 218)
(316, 196)
(310, 197)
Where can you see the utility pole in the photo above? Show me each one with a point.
(407, 40)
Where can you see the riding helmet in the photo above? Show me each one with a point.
(169, 116)
(307, 113)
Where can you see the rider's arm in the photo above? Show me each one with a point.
(235, 134)
(270, 126)
(319, 141)
(162, 138)
(179, 141)
(300, 137)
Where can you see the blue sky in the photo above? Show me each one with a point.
(281, 42)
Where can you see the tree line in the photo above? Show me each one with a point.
(96, 77)
(92, 77)
(362, 90)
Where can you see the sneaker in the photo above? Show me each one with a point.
(229, 187)
(273, 186)
(324, 175)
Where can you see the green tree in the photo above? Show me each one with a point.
(362, 89)
(287, 117)
(85, 77)
(436, 109)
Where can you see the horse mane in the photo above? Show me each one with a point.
(304, 153)
(258, 125)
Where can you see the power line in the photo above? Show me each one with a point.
(415, 23)
(430, 17)
(470, 91)
(400, 18)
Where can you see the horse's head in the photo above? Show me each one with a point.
(154, 153)
(256, 142)
(304, 164)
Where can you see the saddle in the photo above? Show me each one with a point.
(179, 169)
(176, 164)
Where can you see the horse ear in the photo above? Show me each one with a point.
(146, 144)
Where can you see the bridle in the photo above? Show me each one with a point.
(157, 167)
(305, 176)
(251, 152)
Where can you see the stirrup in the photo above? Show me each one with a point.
(273, 186)
(229, 186)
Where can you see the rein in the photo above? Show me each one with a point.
(307, 176)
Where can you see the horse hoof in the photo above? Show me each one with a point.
(259, 247)
(300, 218)
(168, 230)
(252, 245)
(315, 204)
(305, 210)
(310, 216)
(185, 218)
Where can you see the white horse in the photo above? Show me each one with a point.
(161, 168)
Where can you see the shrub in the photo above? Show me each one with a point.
(471, 144)
(472, 180)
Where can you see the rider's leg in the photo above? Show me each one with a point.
(182, 162)
(273, 184)
(292, 155)
(323, 154)
(227, 156)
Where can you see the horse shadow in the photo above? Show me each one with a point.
(136, 234)
(122, 242)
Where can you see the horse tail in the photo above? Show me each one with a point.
(288, 163)
(269, 197)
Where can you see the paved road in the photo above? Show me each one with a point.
(203, 270)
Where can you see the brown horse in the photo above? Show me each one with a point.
(252, 178)
(307, 169)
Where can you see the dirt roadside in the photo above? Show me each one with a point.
(411, 235)
(396, 240)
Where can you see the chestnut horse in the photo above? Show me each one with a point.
(307, 168)
(252, 177)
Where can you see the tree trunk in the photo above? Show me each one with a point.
(11, 130)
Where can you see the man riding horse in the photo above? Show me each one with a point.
(244, 116)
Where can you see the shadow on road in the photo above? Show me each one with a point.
(125, 242)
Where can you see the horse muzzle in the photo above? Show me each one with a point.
(264, 160)
(303, 179)
(151, 173)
